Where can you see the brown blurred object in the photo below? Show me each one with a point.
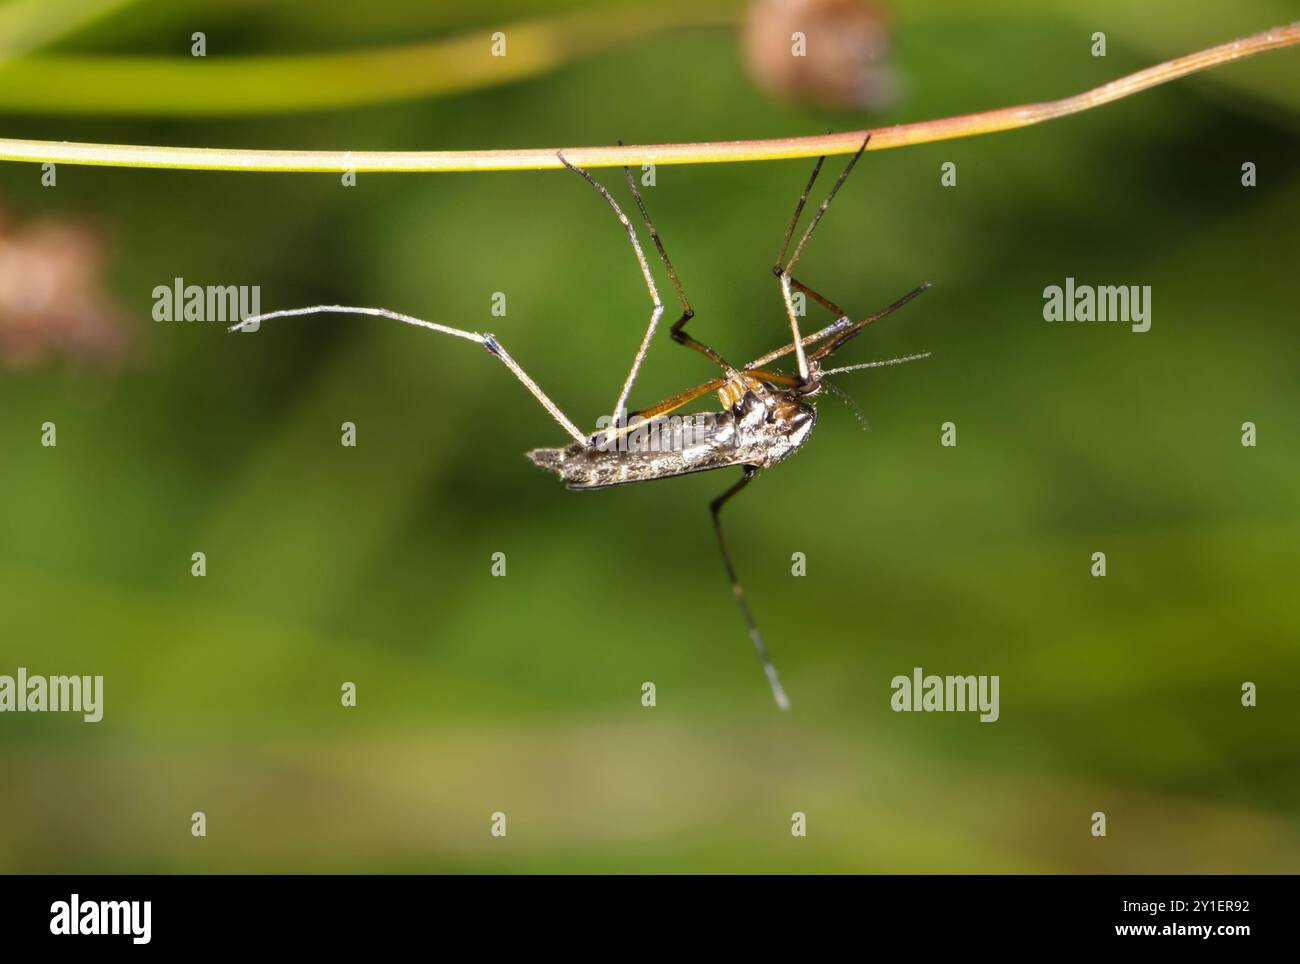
(53, 306)
(845, 45)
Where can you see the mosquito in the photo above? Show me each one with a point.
(767, 415)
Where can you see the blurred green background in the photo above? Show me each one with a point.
(522, 694)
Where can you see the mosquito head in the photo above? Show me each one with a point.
(812, 386)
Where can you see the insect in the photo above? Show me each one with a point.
(766, 415)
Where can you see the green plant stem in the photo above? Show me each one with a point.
(899, 135)
(245, 85)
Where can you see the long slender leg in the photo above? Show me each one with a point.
(841, 326)
(821, 211)
(779, 270)
(841, 316)
(836, 343)
(798, 210)
(678, 335)
(715, 507)
(783, 272)
(821, 299)
(494, 348)
(838, 325)
(620, 406)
